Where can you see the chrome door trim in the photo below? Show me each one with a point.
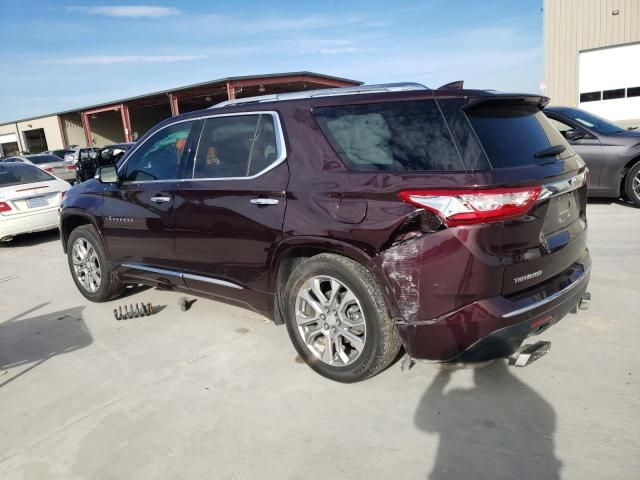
(187, 276)
(146, 268)
(280, 146)
(215, 281)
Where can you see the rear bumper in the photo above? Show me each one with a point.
(29, 222)
(497, 326)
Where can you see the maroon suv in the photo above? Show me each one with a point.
(451, 222)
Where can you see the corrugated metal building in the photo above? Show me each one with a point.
(592, 56)
(126, 119)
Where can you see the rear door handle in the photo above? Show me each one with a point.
(160, 199)
(264, 201)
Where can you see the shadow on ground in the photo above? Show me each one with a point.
(35, 339)
(499, 429)
(31, 239)
(609, 201)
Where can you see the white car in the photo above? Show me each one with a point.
(49, 163)
(29, 199)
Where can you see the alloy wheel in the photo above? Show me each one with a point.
(86, 265)
(330, 321)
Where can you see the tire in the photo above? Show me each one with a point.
(632, 184)
(95, 262)
(365, 339)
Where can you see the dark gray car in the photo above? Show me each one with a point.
(612, 153)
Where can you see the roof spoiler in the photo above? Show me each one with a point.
(457, 85)
(539, 100)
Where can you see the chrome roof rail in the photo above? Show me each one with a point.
(324, 92)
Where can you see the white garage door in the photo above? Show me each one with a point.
(8, 138)
(609, 82)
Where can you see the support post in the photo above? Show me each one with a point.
(87, 129)
(126, 122)
(231, 94)
(173, 102)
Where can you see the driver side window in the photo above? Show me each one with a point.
(159, 157)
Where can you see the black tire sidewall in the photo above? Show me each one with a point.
(628, 184)
(360, 369)
(104, 291)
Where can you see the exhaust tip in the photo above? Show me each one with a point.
(6, 239)
(585, 301)
(527, 354)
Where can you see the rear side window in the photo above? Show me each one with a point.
(19, 174)
(236, 146)
(394, 136)
(512, 134)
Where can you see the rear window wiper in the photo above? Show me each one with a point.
(551, 151)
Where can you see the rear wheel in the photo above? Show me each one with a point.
(337, 320)
(89, 267)
(632, 184)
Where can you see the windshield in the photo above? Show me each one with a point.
(19, 174)
(40, 159)
(592, 121)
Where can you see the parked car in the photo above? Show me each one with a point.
(450, 221)
(58, 153)
(48, 163)
(611, 152)
(76, 153)
(108, 155)
(29, 199)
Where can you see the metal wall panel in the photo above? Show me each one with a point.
(574, 25)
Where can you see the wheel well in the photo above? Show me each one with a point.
(69, 224)
(626, 169)
(287, 264)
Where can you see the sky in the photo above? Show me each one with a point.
(57, 56)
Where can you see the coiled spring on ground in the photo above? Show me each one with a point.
(133, 311)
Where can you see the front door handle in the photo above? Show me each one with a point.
(160, 199)
(264, 201)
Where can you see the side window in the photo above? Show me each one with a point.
(159, 157)
(560, 126)
(392, 136)
(236, 146)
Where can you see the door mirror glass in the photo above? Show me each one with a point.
(107, 174)
(573, 134)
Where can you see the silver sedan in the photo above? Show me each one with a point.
(49, 163)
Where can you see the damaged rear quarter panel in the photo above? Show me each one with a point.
(438, 273)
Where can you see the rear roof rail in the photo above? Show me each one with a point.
(324, 92)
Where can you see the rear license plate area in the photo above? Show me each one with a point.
(563, 211)
(36, 202)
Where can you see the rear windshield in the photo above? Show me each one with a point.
(512, 134)
(18, 174)
(40, 159)
(393, 136)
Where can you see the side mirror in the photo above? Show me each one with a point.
(107, 174)
(573, 134)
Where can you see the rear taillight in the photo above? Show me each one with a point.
(49, 169)
(465, 207)
(4, 207)
(71, 167)
(62, 194)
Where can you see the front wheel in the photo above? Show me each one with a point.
(632, 184)
(89, 268)
(337, 319)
